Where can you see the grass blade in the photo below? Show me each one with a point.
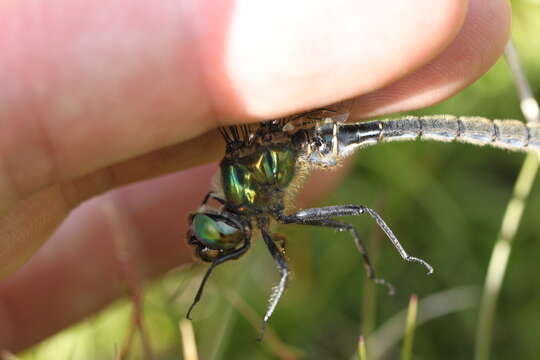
(189, 346)
(512, 216)
(433, 306)
(362, 354)
(406, 352)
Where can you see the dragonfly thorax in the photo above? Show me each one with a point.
(255, 183)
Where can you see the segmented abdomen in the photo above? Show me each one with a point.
(335, 141)
(506, 134)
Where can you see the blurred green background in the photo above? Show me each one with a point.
(444, 202)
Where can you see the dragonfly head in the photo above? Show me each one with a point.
(217, 233)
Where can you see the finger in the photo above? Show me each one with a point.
(471, 54)
(87, 101)
(77, 272)
(29, 224)
(201, 150)
(321, 52)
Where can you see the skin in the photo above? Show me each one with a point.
(95, 97)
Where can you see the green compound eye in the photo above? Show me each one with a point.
(205, 228)
(215, 234)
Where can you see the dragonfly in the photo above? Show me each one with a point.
(265, 162)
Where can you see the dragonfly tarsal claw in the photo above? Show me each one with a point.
(423, 262)
(391, 288)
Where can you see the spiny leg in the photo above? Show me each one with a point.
(327, 212)
(231, 256)
(333, 224)
(281, 241)
(280, 288)
(213, 195)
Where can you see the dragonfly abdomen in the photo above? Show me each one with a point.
(334, 141)
(507, 134)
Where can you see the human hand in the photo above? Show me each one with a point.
(97, 96)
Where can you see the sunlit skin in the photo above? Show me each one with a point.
(83, 113)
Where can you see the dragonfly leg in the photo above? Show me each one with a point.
(324, 213)
(333, 224)
(231, 256)
(280, 288)
(213, 195)
(281, 241)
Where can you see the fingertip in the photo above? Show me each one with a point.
(282, 58)
(476, 48)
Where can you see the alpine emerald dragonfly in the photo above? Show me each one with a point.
(263, 161)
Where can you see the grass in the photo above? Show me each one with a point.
(512, 217)
(362, 352)
(407, 350)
